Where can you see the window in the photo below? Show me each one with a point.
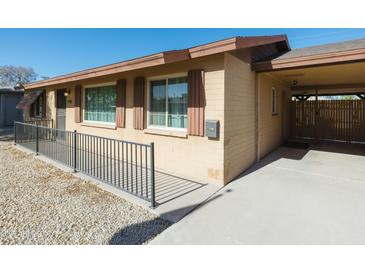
(37, 106)
(99, 104)
(274, 104)
(168, 103)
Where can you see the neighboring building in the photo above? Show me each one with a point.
(242, 87)
(9, 98)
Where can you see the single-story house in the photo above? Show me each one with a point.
(213, 110)
(9, 98)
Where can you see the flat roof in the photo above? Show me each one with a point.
(347, 51)
(11, 89)
(167, 57)
(326, 48)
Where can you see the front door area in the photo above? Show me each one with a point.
(61, 109)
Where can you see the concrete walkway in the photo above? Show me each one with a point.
(294, 196)
(175, 196)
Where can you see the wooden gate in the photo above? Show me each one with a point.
(338, 120)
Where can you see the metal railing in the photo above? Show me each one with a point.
(40, 122)
(126, 165)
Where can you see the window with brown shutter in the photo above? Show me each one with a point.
(78, 96)
(196, 103)
(121, 103)
(168, 102)
(138, 103)
(31, 110)
(38, 108)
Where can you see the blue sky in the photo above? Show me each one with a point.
(53, 52)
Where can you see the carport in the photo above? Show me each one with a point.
(327, 89)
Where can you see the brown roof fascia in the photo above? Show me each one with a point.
(176, 56)
(247, 42)
(144, 62)
(147, 61)
(213, 48)
(166, 57)
(311, 60)
(236, 43)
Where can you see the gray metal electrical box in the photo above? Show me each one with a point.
(212, 128)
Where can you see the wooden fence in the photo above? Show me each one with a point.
(339, 120)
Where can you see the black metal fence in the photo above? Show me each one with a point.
(40, 122)
(125, 165)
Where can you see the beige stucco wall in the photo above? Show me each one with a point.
(51, 102)
(197, 158)
(26, 114)
(273, 129)
(239, 129)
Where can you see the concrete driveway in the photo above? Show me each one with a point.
(294, 196)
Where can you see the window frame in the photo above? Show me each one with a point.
(160, 78)
(114, 83)
(37, 105)
(274, 101)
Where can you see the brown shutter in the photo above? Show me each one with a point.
(138, 103)
(78, 89)
(44, 104)
(196, 102)
(120, 104)
(31, 110)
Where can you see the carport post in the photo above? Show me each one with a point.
(316, 116)
(15, 126)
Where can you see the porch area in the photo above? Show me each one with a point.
(127, 167)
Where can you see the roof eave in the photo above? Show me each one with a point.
(247, 42)
(147, 61)
(162, 58)
(311, 60)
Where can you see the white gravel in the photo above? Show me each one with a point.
(41, 204)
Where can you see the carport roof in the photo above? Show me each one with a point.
(327, 48)
(341, 52)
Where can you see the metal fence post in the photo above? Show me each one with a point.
(37, 140)
(153, 198)
(15, 126)
(75, 151)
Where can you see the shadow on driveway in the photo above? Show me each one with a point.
(126, 235)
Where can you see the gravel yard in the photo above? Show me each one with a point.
(41, 204)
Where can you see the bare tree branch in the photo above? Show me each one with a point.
(13, 75)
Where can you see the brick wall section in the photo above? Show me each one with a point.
(239, 129)
(191, 157)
